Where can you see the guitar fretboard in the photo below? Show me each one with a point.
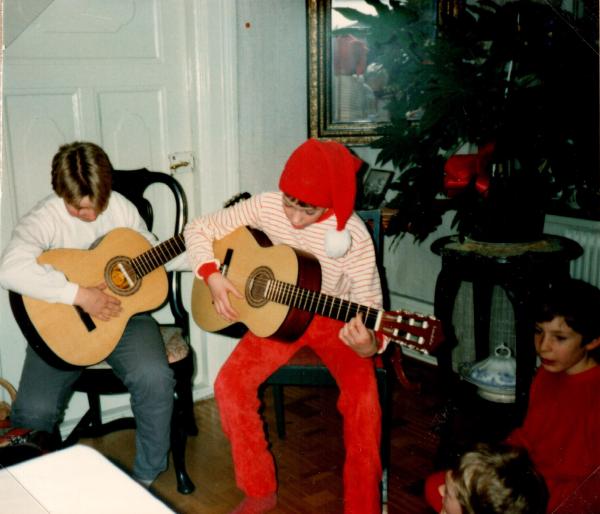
(319, 303)
(158, 255)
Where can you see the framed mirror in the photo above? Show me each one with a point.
(345, 83)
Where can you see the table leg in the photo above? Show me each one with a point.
(524, 347)
(446, 290)
(482, 313)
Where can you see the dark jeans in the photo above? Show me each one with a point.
(139, 360)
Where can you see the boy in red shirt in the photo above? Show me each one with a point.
(561, 427)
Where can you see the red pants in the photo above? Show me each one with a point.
(236, 390)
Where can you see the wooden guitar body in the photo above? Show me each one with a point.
(252, 260)
(72, 335)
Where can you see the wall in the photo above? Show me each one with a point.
(272, 88)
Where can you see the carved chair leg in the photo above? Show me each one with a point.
(184, 371)
(384, 387)
(178, 444)
(183, 422)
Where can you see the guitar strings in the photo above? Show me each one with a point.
(421, 336)
(312, 301)
(158, 255)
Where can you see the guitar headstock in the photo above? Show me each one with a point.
(419, 332)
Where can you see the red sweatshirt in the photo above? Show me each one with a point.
(561, 430)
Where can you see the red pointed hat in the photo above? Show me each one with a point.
(323, 174)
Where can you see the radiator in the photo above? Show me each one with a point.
(586, 267)
(587, 234)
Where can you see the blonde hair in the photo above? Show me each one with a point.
(82, 169)
(499, 479)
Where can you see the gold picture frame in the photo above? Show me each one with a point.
(322, 124)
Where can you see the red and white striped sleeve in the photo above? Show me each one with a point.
(200, 233)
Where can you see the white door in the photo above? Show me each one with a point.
(109, 71)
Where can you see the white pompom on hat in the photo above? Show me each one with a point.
(323, 174)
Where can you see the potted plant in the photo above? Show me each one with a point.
(493, 114)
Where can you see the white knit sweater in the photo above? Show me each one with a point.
(47, 226)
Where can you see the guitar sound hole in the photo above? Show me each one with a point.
(120, 276)
(256, 286)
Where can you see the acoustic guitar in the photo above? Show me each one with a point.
(133, 271)
(281, 293)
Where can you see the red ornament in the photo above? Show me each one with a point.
(460, 170)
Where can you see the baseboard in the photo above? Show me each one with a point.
(202, 392)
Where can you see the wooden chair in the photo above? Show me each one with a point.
(100, 380)
(306, 369)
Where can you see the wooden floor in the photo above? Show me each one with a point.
(309, 459)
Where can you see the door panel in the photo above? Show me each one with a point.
(109, 71)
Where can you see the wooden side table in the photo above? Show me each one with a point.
(520, 269)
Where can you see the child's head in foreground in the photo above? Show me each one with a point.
(567, 327)
(494, 479)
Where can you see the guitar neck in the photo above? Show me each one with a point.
(319, 303)
(158, 255)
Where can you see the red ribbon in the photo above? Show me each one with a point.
(460, 170)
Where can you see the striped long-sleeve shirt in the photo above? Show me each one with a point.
(352, 277)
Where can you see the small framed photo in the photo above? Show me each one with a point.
(375, 186)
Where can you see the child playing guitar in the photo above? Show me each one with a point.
(312, 211)
(80, 210)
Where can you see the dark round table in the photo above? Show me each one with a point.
(520, 269)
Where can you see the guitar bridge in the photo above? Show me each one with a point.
(86, 319)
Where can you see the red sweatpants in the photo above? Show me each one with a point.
(236, 390)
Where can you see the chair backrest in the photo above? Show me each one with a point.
(372, 219)
(133, 184)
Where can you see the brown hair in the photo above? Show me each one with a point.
(294, 201)
(577, 302)
(499, 479)
(82, 169)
